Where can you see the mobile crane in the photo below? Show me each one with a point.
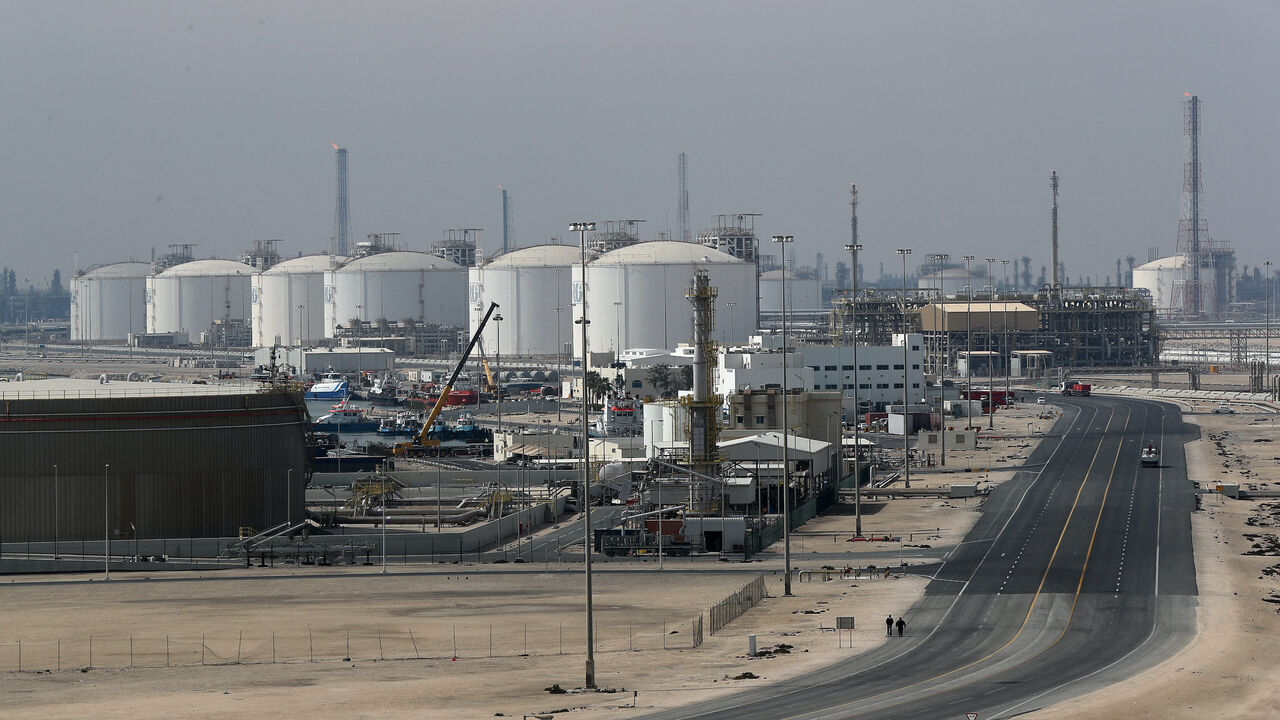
(423, 439)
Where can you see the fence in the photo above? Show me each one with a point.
(310, 645)
(725, 611)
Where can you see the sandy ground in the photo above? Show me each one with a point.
(1229, 670)
(534, 616)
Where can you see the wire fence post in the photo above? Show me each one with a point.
(166, 651)
(415, 645)
(490, 640)
(273, 647)
(239, 645)
(202, 646)
(90, 652)
(59, 654)
(130, 651)
(454, 630)
(311, 645)
(380, 655)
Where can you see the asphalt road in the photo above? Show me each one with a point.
(1077, 575)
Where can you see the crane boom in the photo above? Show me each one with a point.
(422, 438)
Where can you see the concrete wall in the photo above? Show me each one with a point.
(184, 466)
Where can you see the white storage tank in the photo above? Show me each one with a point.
(288, 301)
(190, 297)
(1160, 277)
(108, 302)
(804, 292)
(636, 296)
(528, 284)
(395, 285)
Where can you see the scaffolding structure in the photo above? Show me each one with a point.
(703, 406)
(1081, 327)
(458, 246)
(1207, 286)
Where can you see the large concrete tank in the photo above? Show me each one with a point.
(395, 285)
(804, 292)
(109, 302)
(529, 285)
(636, 296)
(1161, 278)
(192, 296)
(288, 301)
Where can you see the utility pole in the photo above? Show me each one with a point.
(906, 369)
(941, 259)
(968, 345)
(783, 241)
(857, 446)
(991, 398)
(581, 228)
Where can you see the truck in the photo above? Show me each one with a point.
(1075, 389)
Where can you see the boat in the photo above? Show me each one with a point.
(1150, 456)
(401, 424)
(331, 387)
(384, 393)
(344, 417)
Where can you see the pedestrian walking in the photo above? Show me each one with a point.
(902, 625)
(888, 626)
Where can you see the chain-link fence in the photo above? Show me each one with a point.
(303, 644)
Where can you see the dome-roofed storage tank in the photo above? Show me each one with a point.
(1161, 278)
(636, 296)
(529, 285)
(395, 285)
(108, 302)
(191, 297)
(804, 291)
(288, 301)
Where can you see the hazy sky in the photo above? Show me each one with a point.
(132, 125)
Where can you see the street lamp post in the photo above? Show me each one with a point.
(106, 522)
(55, 512)
(1007, 356)
(581, 228)
(906, 437)
(497, 320)
(783, 241)
(991, 396)
(942, 258)
(853, 340)
(968, 344)
(1266, 360)
(559, 347)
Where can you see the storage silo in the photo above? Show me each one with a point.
(528, 284)
(395, 285)
(288, 301)
(804, 291)
(636, 296)
(189, 298)
(1162, 277)
(108, 302)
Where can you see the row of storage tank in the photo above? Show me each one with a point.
(636, 296)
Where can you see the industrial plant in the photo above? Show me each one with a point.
(705, 382)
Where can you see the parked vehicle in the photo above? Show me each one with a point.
(1224, 410)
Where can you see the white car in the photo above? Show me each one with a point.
(1224, 410)
(1040, 400)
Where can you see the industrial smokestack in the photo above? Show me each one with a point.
(1053, 216)
(342, 215)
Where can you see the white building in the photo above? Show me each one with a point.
(828, 367)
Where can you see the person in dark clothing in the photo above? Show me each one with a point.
(902, 625)
(888, 626)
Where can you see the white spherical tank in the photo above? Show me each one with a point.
(395, 285)
(190, 297)
(528, 284)
(288, 301)
(804, 292)
(636, 296)
(109, 302)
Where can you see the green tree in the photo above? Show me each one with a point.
(686, 377)
(660, 377)
(597, 387)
